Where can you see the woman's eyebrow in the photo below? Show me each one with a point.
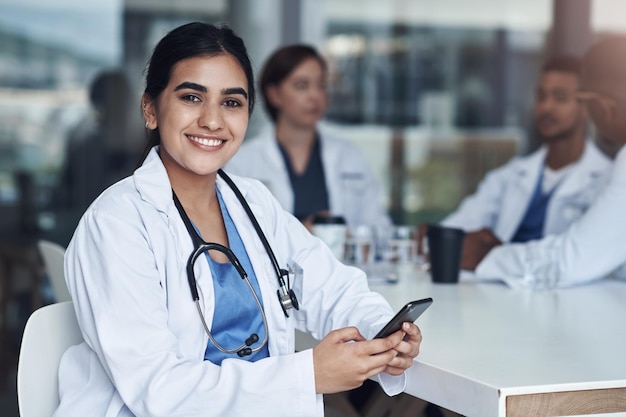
(192, 86)
(235, 90)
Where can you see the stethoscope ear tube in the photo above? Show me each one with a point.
(205, 247)
(191, 278)
(286, 296)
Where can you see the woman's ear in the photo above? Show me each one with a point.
(149, 115)
(272, 94)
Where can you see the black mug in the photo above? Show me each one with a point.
(445, 247)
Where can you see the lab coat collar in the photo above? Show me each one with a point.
(621, 154)
(154, 187)
(527, 170)
(153, 184)
(280, 184)
(591, 165)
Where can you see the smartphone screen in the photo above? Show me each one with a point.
(410, 312)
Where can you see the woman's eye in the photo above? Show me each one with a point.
(191, 98)
(301, 85)
(232, 103)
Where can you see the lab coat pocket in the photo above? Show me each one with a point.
(353, 190)
(353, 182)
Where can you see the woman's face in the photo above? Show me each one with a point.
(202, 114)
(301, 98)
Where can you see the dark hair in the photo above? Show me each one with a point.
(188, 41)
(278, 67)
(563, 63)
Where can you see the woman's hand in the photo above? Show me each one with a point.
(407, 349)
(343, 360)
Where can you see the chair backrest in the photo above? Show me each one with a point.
(49, 332)
(52, 254)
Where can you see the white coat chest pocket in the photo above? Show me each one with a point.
(353, 182)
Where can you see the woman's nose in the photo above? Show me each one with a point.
(318, 91)
(211, 118)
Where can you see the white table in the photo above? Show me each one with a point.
(492, 351)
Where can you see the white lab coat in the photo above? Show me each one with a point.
(144, 350)
(353, 192)
(592, 248)
(503, 196)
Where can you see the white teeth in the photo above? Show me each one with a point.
(206, 142)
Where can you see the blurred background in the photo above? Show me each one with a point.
(436, 93)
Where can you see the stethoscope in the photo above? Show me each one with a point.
(286, 295)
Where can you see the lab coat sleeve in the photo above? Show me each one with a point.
(588, 250)
(122, 309)
(481, 209)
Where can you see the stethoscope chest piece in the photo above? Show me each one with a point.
(288, 301)
(286, 295)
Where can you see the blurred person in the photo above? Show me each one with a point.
(592, 247)
(308, 171)
(543, 193)
(188, 284)
(98, 150)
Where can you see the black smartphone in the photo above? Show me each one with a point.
(410, 312)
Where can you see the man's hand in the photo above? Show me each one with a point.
(476, 246)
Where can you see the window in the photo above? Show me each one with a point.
(436, 92)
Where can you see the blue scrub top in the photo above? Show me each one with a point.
(236, 314)
(532, 224)
(310, 193)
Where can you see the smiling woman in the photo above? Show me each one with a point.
(203, 107)
(181, 315)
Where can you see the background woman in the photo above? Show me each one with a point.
(307, 171)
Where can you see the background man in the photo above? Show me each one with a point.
(593, 246)
(544, 192)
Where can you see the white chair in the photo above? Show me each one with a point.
(49, 332)
(52, 254)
